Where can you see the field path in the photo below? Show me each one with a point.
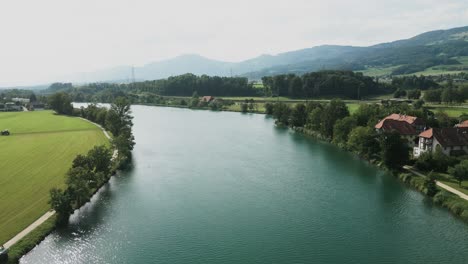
(115, 153)
(441, 185)
(29, 229)
(50, 213)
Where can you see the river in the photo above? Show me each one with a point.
(221, 187)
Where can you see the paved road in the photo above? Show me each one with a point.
(441, 185)
(50, 213)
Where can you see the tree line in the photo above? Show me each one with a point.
(347, 84)
(89, 172)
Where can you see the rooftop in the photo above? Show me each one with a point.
(412, 120)
(402, 127)
(450, 136)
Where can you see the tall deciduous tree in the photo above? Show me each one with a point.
(460, 171)
(394, 151)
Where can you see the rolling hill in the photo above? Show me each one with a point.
(444, 49)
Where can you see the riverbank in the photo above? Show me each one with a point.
(456, 202)
(28, 238)
(452, 202)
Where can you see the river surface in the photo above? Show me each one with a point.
(220, 187)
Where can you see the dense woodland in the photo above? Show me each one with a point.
(345, 84)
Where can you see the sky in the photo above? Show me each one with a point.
(43, 40)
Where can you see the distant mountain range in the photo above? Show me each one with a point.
(430, 49)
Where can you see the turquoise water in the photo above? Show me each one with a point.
(220, 187)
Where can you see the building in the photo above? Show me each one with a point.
(207, 99)
(36, 106)
(407, 126)
(21, 100)
(13, 107)
(452, 141)
(462, 124)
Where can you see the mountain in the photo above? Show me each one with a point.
(441, 48)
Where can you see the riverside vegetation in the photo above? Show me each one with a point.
(88, 172)
(354, 132)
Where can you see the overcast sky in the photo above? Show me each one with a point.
(41, 40)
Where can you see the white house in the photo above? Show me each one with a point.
(453, 141)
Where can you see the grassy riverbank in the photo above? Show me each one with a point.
(35, 158)
(31, 240)
(452, 202)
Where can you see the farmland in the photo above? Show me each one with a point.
(35, 158)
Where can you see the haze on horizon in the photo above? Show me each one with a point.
(43, 40)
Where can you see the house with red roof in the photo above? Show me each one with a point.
(407, 126)
(452, 141)
(207, 99)
(462, 124)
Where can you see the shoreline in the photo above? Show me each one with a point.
(452, 201)
(27, 239)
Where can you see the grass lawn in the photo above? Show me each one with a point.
(379, 71)
(452, 111)
(450, 181)
(352, 107)
(35, 158)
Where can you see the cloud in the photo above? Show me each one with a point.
(45, 39)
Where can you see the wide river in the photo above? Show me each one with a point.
(220, 187)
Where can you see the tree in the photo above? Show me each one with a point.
(362, 140)
(332, 112)
(124, 144)
(244, 107)
(77, 180)
(61, 103)
(443, 119)
(433, 95)
(459, 171)
(314, 119)
(282, 113)
(394, 151)
(399, 93)
(100, 159)
(195, 99)
(81, 161)
(414, 94)
(342, 129)
(32, 98)
(269, 108)
(60, 201)
(418, 104)
(295, 87)
(368, 113)
(430, 184)
(119, 116)
(299, 115)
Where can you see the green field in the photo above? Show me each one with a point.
(452, 111)
(35, 158)
(450, 181)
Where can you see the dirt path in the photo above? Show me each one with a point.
(28, 229)
(441, 185)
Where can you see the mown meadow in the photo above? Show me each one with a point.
(35, 158)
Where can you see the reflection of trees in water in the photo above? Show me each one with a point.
(93, 214)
